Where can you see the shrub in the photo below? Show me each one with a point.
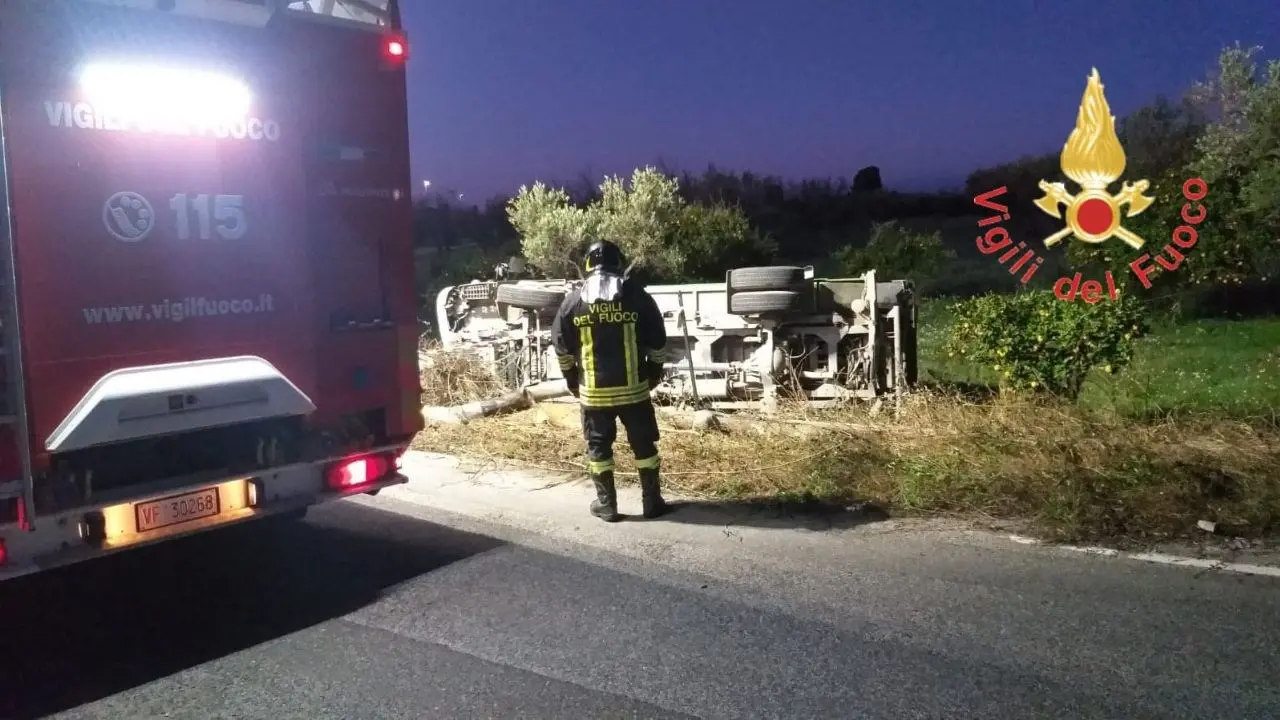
(894, 251)
(1036, 342)
(713, 238)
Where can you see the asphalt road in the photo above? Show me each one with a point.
(362, 613)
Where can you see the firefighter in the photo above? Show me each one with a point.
(609, 337)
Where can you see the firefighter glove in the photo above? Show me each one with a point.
(655, 374)
(571, 381)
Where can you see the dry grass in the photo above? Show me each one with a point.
(452, 377)
(1069, 473)
(1096, 470)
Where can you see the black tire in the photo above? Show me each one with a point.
(765, 301)
(529, 298)
(770, 277)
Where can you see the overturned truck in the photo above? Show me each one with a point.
(764, 333)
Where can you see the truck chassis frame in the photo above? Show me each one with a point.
(763, 334)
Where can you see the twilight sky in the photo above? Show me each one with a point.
(505, 92)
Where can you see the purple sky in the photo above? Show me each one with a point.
(505, 92)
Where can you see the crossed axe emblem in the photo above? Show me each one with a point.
(1094, 214)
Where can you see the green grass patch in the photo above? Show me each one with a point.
(1213, 367)
(1220, 368)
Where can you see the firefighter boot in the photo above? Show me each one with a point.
(605, 506)
(651, 494)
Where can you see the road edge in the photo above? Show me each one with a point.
(542, 501)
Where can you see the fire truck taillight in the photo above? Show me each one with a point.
(395, 48)
(355, 472)
(4, 554)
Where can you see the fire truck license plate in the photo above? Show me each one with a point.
(177, 509)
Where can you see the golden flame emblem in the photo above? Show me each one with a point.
(1093, 158)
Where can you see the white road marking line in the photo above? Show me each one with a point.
(1162, 558)
(1091, 550)
(1244, 568)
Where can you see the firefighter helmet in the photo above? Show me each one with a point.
(606, 256)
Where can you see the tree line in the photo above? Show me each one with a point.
(686, 227)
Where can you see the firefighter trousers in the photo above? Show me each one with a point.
(600, 428)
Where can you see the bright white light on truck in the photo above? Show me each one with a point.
(157, 94)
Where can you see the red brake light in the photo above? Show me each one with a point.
(4, 553)
(354, 472)
(395, 48)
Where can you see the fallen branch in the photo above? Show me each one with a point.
(508, 402)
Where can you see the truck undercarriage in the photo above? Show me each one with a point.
(763, 334)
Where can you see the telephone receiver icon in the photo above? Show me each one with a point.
(123, 223)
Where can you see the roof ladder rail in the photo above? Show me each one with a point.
(13, 393)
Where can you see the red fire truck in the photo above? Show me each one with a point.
(206, 283)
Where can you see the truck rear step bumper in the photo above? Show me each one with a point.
(91, 532)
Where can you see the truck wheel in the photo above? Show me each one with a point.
(530, 298)
(751, 303)
(772, 277)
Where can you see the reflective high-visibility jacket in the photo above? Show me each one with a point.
(609, 344)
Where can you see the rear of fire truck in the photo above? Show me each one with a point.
(205, 267)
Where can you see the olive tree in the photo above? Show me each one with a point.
(552, 230)
(646, 216)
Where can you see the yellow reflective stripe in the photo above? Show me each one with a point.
(649, 463)
(659, 355)
(566, 361)
(597, 399)
(630, 351)
(640, 392)
(587, 340)
(607, 404)
(620, 390)
(595, 467)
